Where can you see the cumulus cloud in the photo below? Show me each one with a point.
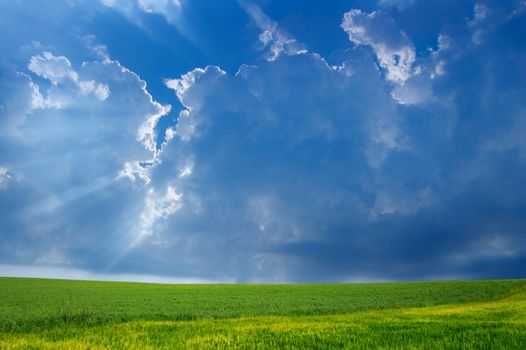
(58, 70)
(191, 117)
(259, 155)
(384, 166)
(90, 127)
(296, 163)
(393, 49)
(54, 69)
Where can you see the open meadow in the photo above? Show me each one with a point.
(60, 314)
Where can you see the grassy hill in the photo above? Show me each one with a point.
(38, 313)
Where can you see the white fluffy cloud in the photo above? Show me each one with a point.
(290, 169)
(247, 135)
(191, 117)
(55, 69)
(393, 49)
(58, 70)
(293, 158)
(75, 139)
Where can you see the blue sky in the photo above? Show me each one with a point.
(263, 141)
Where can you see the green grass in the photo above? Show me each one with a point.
(53, 314)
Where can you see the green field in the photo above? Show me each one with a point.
(56, 314)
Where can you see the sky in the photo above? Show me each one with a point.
(263, 141)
